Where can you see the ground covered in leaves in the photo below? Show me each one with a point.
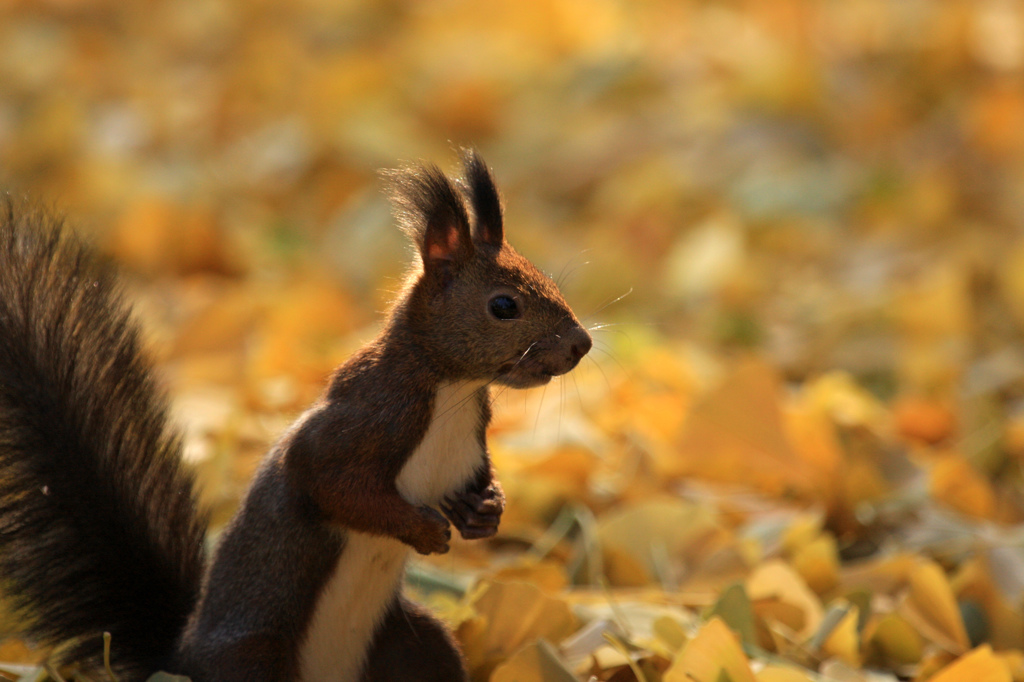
(795, 227)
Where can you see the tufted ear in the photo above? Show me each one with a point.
(484, 199)
(431, 211)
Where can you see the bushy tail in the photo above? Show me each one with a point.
(98, 524)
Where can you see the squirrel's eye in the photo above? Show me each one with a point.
(504, 307)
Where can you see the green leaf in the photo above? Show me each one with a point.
(733, 606)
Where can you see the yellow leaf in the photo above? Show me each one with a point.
(956, 483)
(803, 530)
(548, 575)
(932, 662)
(1014, 662)
(931, 608)
(140, 238)
(776, 583)
(973, 581)
(221, 323)
(736, 435)
(623, 569)
(155, 236)
(568, 464)
(812, 436)
(661, 527)
(778, 612)
(1012, 279)
(862, 482)
(818, 563)
(655, 415)
(923, 419)
(935, 305)
(533, 500)
(838, 395)
(844, 640)
(508, 616)
(536, 662)
(980, 665)
(882, 575)
(993, 119)
(713, 653)
(778, 673)
(891, 641)
(299, 337)
(669, 633)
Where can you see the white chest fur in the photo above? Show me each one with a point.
(359, 591)
(450, 451)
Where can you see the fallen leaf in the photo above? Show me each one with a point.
(535, 662)
(670, 633)
(775, 584)
(979, 665)
(838, 395)
(713, 654)
(843, 642)
(817, 562)
(926, 420)
(778, 673)
(976, 581)
(953, 481)
(736, 611)
(547, 575)
(642, 533)
(155, 236)
(891, 641)
(736, 434)
(931, 608)
(507, 617)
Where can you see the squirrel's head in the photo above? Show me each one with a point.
(478, 308)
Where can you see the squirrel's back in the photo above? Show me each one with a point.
(98, 524)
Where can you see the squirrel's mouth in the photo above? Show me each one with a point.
(540, 362)
(526, 373)
(517, 378)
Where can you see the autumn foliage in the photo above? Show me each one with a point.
(795, 228)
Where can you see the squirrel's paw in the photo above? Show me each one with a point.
(475, 513)
(434, 535)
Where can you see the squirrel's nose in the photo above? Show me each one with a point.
(581, 348)
(581, 344)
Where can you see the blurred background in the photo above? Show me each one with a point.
(797, 227)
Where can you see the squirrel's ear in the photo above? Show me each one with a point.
(431, 211)
(484, 198)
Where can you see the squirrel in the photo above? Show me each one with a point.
(100, 527)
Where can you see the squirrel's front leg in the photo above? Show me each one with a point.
(476, 509)
(350, 487)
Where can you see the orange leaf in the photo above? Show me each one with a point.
(777, 581)
(818, 563)
(974, 581)
(509, 616)
(844, 640)
(714, 651)
(736, 435)
(777, 673)
(931, 608)
(536, 662)
(955, 482)
(924, 420)
(980, 665)
(892, 641)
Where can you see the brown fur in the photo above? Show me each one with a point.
(336, 473)
(98, 524)
(336, 470)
